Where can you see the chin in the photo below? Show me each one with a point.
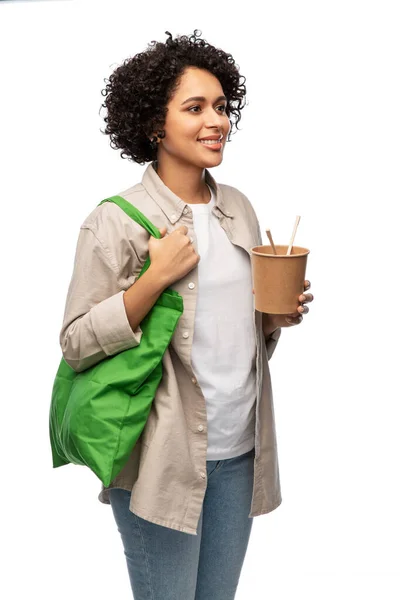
(213, 160)
(200, 159)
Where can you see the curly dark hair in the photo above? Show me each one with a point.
(139, 90)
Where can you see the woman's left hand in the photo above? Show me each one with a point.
(271, 322)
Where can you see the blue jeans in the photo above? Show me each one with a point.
(166, 564)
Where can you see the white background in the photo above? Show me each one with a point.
(319, 138)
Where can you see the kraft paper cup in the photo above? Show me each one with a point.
(278, 279)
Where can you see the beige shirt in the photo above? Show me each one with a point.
(166, 471)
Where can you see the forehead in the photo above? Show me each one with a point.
(197, 82)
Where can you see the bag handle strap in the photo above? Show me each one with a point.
(137, 216)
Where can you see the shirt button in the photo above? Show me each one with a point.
(194, 380)
(191, 285)
(202, 474)
(185, 334)
(200, 427)
(173, 217)
(185, 210)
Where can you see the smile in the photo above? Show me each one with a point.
(212, 144)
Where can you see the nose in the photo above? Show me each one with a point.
(212, 120)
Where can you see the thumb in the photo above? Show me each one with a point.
(162, 230)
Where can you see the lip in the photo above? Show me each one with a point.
(214, 147)
(212, 137)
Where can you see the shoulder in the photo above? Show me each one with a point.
(105, 215)
(117, 233)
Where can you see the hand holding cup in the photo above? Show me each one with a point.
(271, 322)
(278, 277)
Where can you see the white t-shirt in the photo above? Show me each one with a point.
(224, 343)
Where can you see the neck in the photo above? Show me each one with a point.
(188, 182)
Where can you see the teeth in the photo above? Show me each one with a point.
(210, 141)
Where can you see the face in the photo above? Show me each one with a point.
(189, 120)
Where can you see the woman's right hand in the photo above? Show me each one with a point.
(172, 257)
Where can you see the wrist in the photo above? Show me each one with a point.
(158, 278)
(268, 324)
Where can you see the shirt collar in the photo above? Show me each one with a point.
(169, 202)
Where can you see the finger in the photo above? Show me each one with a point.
(307, 284)
(306, 298)
(302, 308)
(294, 320)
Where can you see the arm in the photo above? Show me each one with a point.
(95, 323)
(140, 298)
(271, 333)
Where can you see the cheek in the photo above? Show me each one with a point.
(190, 129)
(180, 131)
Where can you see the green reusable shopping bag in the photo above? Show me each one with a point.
(97, 415)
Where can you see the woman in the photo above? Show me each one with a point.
(206, 462)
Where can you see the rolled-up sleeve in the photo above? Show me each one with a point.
(95, 323)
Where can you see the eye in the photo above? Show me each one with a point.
(197, 106)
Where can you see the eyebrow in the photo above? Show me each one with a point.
(202, 99)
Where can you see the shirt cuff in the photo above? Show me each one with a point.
(111, 326)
